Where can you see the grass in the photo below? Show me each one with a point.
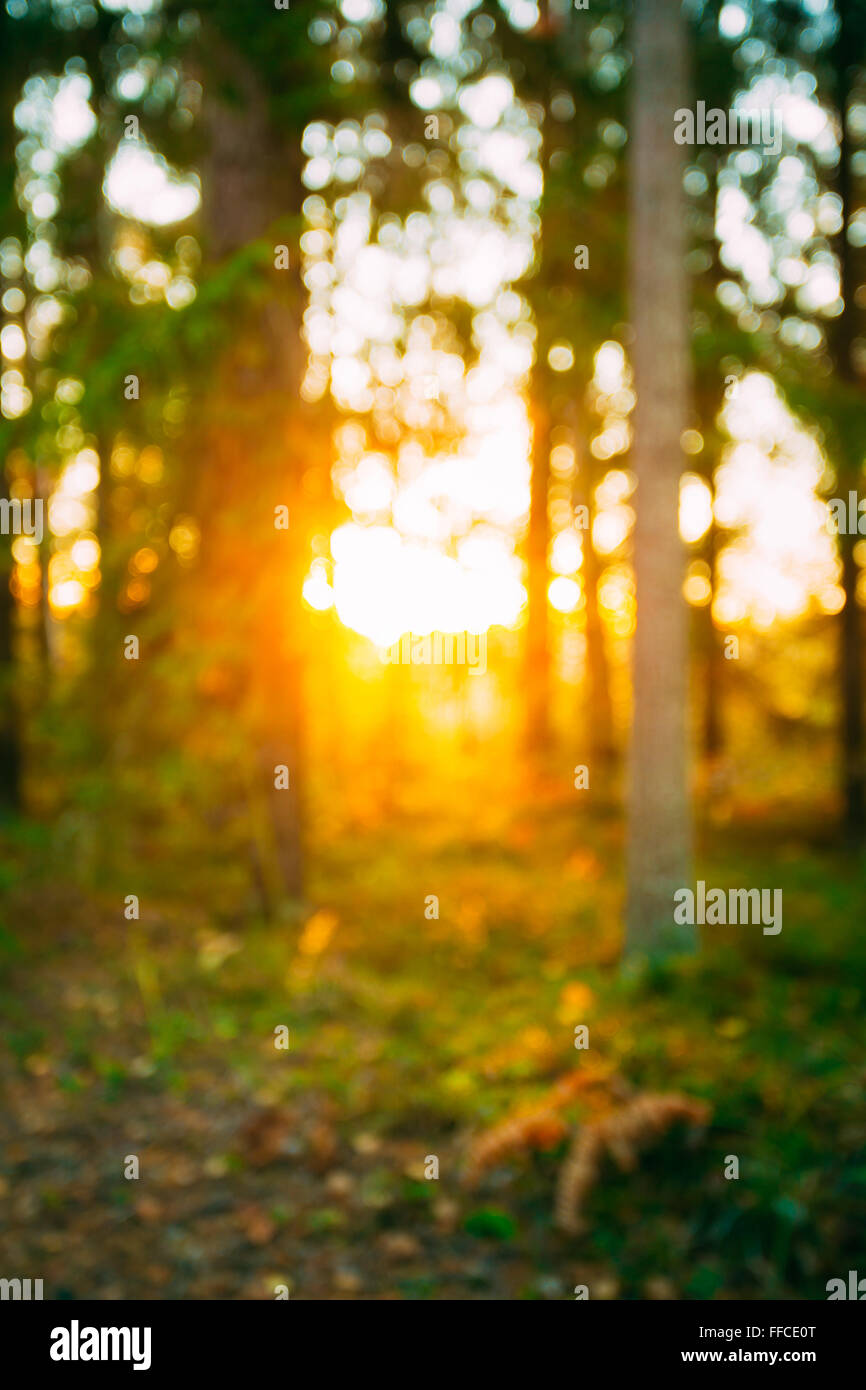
(409, 1034)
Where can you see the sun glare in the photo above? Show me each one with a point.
(433, 458)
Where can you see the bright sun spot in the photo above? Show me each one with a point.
(141, 185)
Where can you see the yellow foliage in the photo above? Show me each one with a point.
(317, 932)
(575, 1002)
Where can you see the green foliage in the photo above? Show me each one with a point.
(490, 1223)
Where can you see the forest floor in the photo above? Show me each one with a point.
(410, 1037)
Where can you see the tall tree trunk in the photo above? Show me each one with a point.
(852, 698)
(850, 476)
(709, 644)
(598, 700)
(537, 632)
(10, 750)
(250, 179)
(598, 710)
(714, 660)
(537, 652)
(659, 812)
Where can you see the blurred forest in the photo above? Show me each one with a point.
(340, 962)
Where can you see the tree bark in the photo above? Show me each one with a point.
(249, 179)
(598, 709)
(714, 661)
(851, 734)
(537, 630)
(659, 811)
(10, 749)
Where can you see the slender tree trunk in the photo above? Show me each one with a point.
(709, 644)
(104, 626)
(659, 812)
(714, 661)
(598, 709)
(10, 749)
(537, 653)
(850, 476)
(852, 698)
(537, 630)
(598, 701)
